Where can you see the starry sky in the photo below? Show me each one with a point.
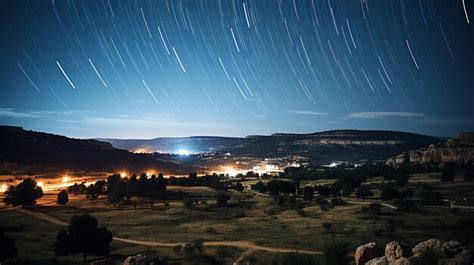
(143, 69)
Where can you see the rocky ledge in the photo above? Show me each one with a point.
(433, 251)
(459, 150)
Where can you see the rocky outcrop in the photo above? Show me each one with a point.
(367, 252)
(145, 259)
(446, 253)
(459, 150)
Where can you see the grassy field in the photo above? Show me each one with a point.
(247, 217)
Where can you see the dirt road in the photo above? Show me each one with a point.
(238, 244)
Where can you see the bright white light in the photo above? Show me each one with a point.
(3, 188)
(39, 184)
(123, 174)
(66, 179)
(183, 152)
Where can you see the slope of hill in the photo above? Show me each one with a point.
(459, 150)
(29, 149)
(321, 147)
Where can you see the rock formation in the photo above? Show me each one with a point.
(447, 253)
(459, 150)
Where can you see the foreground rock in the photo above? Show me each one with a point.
(144, 259)
(367, 252)
(446, 253)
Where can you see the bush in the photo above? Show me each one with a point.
(177, 249)
(62, 197)
(188, 203)
(211, 231)
(194, 247)
(294, 258)
(469, 176)
(336, 254)
(447, 176)
(389, 193)
(363, 192)
(222, 199)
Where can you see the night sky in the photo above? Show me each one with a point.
(142, 69)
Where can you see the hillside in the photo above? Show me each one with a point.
(459, 150)
(321, 147)
(29, 149)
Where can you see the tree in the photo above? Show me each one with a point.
(7, 246)
(25, 194)
(239, 187)
(222, 199)
(84, 237)
(308, 193)
(469, 176)
(389, 193)
(177, 249)
(363, 192)
(401, 179)
(188, 203)
(447, 176)
(336, 254)
(63, 197)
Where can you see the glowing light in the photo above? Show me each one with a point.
(124, 174)
(39, 184)
(3, 188)
(66, 179)
(183, 152)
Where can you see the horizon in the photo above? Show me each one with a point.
(141, 69)
(231, 136)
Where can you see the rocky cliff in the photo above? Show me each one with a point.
(459, 150)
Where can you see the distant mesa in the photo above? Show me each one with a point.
(458, 150)
(320, 147)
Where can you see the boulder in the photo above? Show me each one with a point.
(145, 259)
(433, 244)
(367, 252)
(395, 251)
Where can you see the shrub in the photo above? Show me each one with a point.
(469, 176)
(177, 249)
(336, 254)
(363, 192)
(222, 199)
(294, 258)
(188, 203)
(447, 176)
(389, 193)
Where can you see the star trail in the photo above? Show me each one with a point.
(119, 68)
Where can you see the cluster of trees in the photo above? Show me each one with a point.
(24, 194)
(117, 188)
(275, 187)
(212, 181)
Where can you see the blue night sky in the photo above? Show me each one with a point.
(142, 69)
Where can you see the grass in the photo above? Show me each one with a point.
(244, 219)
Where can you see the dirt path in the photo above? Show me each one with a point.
(238, 244)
